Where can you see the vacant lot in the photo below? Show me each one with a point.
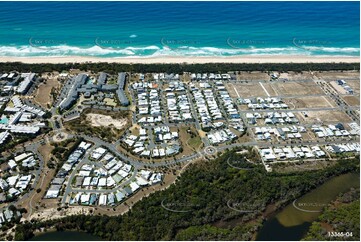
(103, 128)
(355, 85)
(45, 151)
(253, 76)
(191, 142)
(297, 88)
(327, 117)
(245, 90)
(135, 129)
(337, 87)
(43, 95)
(309, 102)
(352, 100)
(191, 138)
(336, 75)
(100, 120)
(270, 89)
(295, 76)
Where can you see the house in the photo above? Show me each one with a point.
(127, 191)
(23, 182)
(4, 136)
(22, 156)
(14, 192)
(98, 153)
(341, 82)
(2, 199)
(110, 181)
(102, 182)
(29, 162)
(119, 196)
(76, 199)
(57, 181)
(53, 191)
(155, 178)
(12, 180)
(84, 199)
(93, 199)
(8, 214)
(3, 184)
(94, 181)
(102, 200)
(86, 181)
(12, 164)
(111, 199)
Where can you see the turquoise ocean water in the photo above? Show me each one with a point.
(119, 29)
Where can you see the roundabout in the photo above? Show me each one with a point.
(210, 150)
(60, 136)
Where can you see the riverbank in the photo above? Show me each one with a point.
(189, 60)
(292, 221)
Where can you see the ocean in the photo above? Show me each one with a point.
(149, 29)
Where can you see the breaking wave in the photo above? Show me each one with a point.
(153, 50)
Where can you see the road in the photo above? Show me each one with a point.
(56, 121)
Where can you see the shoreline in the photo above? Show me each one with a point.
(185, 59)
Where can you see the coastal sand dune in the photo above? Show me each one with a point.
(189, 60)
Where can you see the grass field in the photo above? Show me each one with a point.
(191, 141)
(110, 102)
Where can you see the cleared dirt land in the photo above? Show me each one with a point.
(337, 87)
(270, 89)
(106, 125)
(355, 85)
(297, 88)
(327, 117)
(43, 96)
(336, 75)
(309, 102)
(253, 76)
(295, 76)
(352, 100)
(100, 120)
(245, 90)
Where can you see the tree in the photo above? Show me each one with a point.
(207, 186)
(12, 208)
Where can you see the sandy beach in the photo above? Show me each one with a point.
(189, 60)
